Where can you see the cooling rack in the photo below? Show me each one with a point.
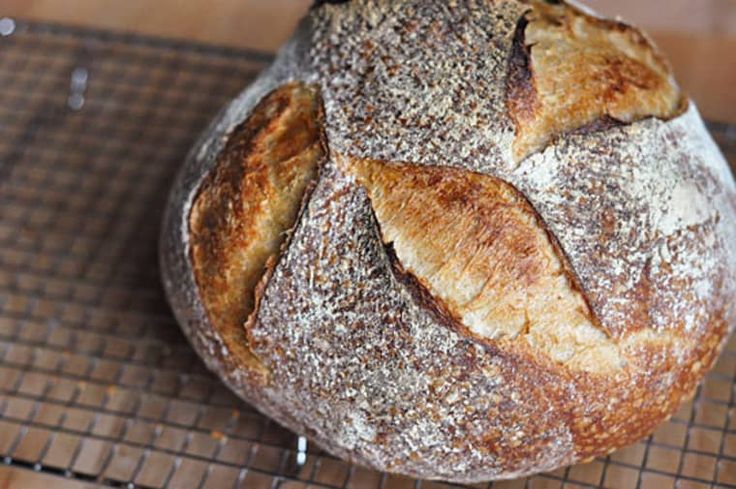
(97, 384)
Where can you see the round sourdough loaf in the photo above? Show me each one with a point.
(463, 240)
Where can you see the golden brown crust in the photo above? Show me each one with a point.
(569, 70)
(477, 245)
(246, 207)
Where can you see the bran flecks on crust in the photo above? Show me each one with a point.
(362, 354)
(661, 241)
(417, 81)
(350, 351)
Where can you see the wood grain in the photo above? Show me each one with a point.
(14, 478)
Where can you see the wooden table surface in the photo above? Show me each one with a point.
(698, 36)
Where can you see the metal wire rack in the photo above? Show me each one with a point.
(97, 384)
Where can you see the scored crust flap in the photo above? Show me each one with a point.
(480, 249)
(570, 70)
(244, 210)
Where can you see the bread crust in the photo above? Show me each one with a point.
(363, 355)
(245, 207)
(479, 249)
(619, 77)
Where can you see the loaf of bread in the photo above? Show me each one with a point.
(459, 240)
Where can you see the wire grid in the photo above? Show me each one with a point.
(97, 384)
